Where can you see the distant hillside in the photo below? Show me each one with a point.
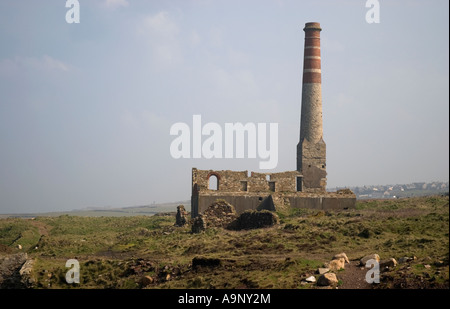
(141, 210)
(415, 189)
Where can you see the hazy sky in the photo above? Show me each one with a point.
(86, 109)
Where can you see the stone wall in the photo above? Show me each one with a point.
(246, 201)
(240, 181)
(282, 187)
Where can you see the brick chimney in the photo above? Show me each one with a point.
(311, 149)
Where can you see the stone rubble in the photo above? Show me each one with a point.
(328, 279)
(181, 216)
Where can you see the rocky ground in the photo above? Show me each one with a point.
(304, 249)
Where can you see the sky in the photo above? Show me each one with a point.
(86, 108)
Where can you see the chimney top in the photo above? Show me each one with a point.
(312, 26)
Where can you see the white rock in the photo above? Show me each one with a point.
(341, 255)
(337, 264)
(322, 271)
(364, 260)
(311, 279)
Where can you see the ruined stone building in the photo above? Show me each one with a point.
(303, 188)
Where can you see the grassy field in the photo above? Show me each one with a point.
(146, 210)
(118, 252)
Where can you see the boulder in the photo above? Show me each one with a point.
(199, 224)
(337, 264)
(439, 263)
(404, 259)
(252, 219)
(145, 281)
(322, 270)
(387, 264)
(327, 279)
(26, 273)
(180, 218)
(341, 255)
(220, 214)
(364, 260)
(205, 262)
(10, 266)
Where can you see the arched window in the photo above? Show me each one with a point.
(213, 182)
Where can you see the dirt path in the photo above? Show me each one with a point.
(353, 277)
(41, 226)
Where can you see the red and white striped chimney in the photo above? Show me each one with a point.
(311, 118)
(311, 149)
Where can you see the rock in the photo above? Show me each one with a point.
(220, 214)
(387, 264)
(145, 281)
(322, 271)
(252, 219)
(404, 259)
(19, 247)
(327, 279)
(199, 224)
(180, 218)
(311, 279)
(176, 271)
(303, 283)
(439, 263)
(10, 266)
(427, 266)
(365, 233)
(364, 260)
(27, 268)
(205, 262)
(337, 264)
(341, 255)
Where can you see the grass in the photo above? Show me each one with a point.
(110, 249)
(14, 232)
